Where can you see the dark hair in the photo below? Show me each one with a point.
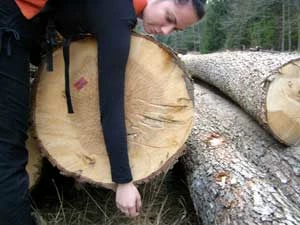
(198, 6)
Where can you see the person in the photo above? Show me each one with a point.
(22, 23)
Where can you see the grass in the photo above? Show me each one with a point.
(61, 201)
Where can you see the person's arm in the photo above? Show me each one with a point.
(113, 38)
(113, 48)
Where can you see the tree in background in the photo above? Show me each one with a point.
(213, 32)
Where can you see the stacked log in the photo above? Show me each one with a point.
(264, 84)
(236, 172)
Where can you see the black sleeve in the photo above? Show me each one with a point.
(111, 22)
(113, 49)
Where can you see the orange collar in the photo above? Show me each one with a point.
(139, 6)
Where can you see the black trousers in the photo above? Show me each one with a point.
(16, 38)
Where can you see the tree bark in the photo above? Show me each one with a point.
(35, 160)
(158, 112)
(266, 85)
(35, 163)
(236, 172)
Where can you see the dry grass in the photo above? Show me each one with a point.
(60, 201)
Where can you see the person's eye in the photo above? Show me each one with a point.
(178, 29)
(169, 18)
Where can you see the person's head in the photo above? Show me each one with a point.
(164, 16)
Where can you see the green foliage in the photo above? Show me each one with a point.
(214, 35)
(252, 23)
(262, 33)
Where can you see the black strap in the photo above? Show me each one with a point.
(66, 52)
(50, 42)
(16, 35)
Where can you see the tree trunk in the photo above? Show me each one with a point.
(266, 85)
(158, 112)
(297, 3)
(289, 25)
(283, 27)
(299, 34)
(236, 172)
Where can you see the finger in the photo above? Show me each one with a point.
(138, 204)
(132, 211)
(122, 209)
(125, 211)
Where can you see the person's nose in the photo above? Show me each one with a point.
(167, 29)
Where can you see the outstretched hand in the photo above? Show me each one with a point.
(128, 199)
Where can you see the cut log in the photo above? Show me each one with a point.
(236, 172)
(266, 85)
(158, 111)
(35, 161)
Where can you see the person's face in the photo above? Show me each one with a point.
(163, 17)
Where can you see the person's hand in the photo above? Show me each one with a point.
(128, 199)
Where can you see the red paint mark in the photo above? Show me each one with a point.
(80, 83)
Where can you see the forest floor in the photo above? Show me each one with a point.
(58, 200)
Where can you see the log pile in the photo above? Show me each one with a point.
(237, 173)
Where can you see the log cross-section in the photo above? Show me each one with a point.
(158, 111)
